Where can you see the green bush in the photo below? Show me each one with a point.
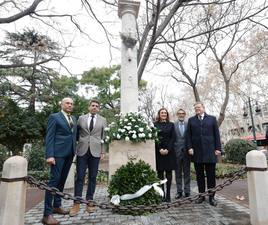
(222, 169)
(102, 177)
(3, 156)
(130, 178)
(40, 175)
(36, 158)
(236, 150)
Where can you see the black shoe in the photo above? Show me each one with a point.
(187, 195)
(200, 200)
(168, 199)
(179, 195)
(213, 202)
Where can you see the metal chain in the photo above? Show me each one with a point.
(140, 208)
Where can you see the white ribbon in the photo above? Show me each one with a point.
(116, 198)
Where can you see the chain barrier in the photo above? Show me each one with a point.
(140, 208)
(233, 176)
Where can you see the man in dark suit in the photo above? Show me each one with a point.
(60, 149)
(182, 158)
(203, 144)
(90, 150)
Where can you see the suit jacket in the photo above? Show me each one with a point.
(91, 140)
(180, 140)
(60, 138)
(204, 137)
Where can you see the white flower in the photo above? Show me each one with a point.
(125, 119)
(102, 141)
(129, 124)
(141, 129)
(114, 134)
(134, 136)
(123, 130)
(126, 138)
(107, 128)
(149, 135)
(140, 135)
(118, 136)
(128, 127)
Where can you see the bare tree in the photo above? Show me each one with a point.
(187, 56)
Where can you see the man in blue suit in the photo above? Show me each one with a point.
(203, 144)
(60, 150)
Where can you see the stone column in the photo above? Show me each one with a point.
(257, 188)
(128, 12)
(13, 194)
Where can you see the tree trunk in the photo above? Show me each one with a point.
(225, 102)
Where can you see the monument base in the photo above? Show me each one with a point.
(120, 152)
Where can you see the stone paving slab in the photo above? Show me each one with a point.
(226, 213)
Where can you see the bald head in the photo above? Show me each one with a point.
(67, 105)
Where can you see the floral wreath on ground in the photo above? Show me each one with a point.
(130, 127)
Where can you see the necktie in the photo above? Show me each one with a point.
(200, 118)
(181, 127)
(71, 124)
(91, 123)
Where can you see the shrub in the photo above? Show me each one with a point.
(36, 158)
(40, 175)
(130, 178)
(236, 150)
(3, 156)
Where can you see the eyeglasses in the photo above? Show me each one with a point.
(97, 106)
(181, 113)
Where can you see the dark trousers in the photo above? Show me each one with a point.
(200, 169)
(183, 171)
(58, 176)
(87, 161)
(160, 175)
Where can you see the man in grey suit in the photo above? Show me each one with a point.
(182, 158)
(90, 150)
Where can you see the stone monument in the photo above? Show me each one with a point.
(128, 12)
(120, 152)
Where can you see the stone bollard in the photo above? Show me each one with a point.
(257, 188)
(13, 194)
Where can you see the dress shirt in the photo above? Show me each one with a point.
(66, 117)
(89, 119)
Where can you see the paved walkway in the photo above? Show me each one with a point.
(226, 213)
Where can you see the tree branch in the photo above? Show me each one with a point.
(31, 9)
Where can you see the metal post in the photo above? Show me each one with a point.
(252, 120)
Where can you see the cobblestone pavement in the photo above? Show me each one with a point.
(226, 213)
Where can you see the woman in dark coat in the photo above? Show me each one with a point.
(164, 151)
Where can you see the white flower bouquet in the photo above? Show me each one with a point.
(131, 127)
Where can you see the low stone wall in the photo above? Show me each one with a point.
(120, 152)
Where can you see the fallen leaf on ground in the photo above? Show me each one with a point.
(241, 198)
